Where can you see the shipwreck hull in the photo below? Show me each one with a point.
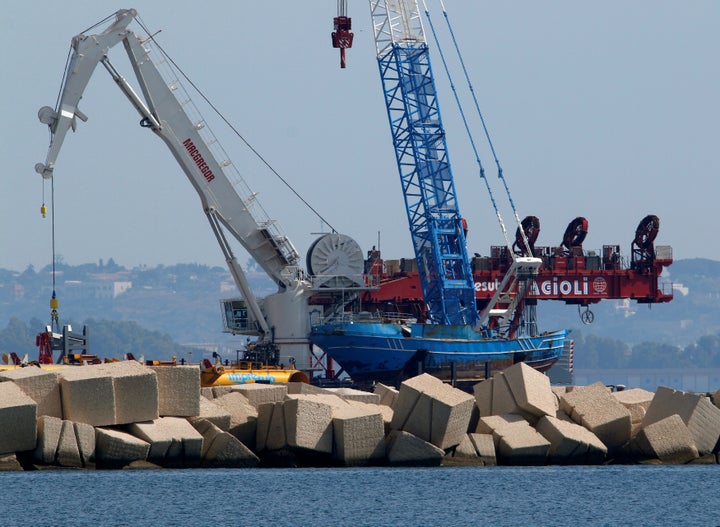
(390, 352)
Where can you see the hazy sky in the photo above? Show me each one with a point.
(607, 110)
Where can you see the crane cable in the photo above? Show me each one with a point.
(235, 130)
(482, 120)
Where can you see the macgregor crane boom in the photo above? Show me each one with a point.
(280, 321)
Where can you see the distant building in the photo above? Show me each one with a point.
(100, 290)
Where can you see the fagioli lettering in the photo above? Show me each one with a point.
(552, 287)
(199, 161)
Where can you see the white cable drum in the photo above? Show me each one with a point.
(335, 260)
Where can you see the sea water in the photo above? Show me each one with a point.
(398, 497)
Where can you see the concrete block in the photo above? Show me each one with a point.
(408, 396)
(451, 413)
(156, 436)
(136, 391)
(351, 394)
(9, 462)
(87, 395)
(570, 443)
(483, 392)
(531, 389)
(227, 452)
(219, 391)
(85, 436)
(301, 388)
(274, 432)
(215, 413)
(42, 386)
(178, 390)
(466, 449)
(503, 400)
(595, 408)
(115, 449)
(387, 394)
(18, 420)
(174, 442)
(207, 430)
(359, 434)
(258, 394)
(308, 423)
(68, 453)
(485, 448)
(403, 448)
(516, 442)
(637, 401)
(48, 437)
(433, 411)
(701, 417)
(207, 392)
(668, 440)
(243, 417)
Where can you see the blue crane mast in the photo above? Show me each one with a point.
(436, 225)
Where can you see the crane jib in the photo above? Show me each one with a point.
(199, 160)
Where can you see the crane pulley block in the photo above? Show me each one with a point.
(342, 37)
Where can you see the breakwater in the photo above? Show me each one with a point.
(125, 414)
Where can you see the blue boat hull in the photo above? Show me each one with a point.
(385, 352)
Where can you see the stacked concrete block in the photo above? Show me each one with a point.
(483, 392)
(571, 443)
(485, 448)
(18, 419)
(385, 411)
(516, 442)
(531, 390)
(433, 411)
(403, 448)
(271, 433)
(359, 434)
(595, 408)
(308, 423)
(668, 440)
(174, 442)
(68, 452)
(701, 417)
(637, 401)
(42, 386)
(115, 449)
(351, 394)
(258, 394)
(48, 437)
(466, 449)
(503, 400)
(243, 417)
(178, 390)
(87, 395)
(85, 435)
(301, 388)
(221, 449)
(9, 462)
(64, 443)
(215, 413)
(136, 391)
(387, 394)
(219, 391)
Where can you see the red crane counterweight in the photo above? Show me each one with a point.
(342, 37)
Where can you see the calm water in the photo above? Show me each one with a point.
(444, 496)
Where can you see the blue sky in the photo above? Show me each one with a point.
(605, 110)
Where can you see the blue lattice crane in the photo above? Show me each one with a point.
(418, 135)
